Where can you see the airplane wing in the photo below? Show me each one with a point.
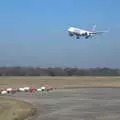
(94, 32)
(98, 32)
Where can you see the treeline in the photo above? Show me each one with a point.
(57, 71)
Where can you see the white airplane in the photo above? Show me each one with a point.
(83, 33)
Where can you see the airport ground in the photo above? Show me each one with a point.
(60, 82)
(76, 98)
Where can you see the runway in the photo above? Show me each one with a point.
(75, 104)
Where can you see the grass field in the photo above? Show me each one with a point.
(14, 109)
(60, 82)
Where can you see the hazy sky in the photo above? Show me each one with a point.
(34, 33)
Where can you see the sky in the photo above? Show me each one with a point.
(34, 33)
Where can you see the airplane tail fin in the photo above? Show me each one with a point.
(97, 32)
(94, 28)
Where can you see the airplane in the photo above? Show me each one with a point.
(84, 33)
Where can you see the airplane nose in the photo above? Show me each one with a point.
(69, 30)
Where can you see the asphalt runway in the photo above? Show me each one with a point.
(75, 104)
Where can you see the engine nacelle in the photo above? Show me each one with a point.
(84, 34)
(87, 34)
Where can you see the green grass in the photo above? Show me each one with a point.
(11, 109)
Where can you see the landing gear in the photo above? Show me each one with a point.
(86, 37)
(77, 37)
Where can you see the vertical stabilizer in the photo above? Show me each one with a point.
(94, 28)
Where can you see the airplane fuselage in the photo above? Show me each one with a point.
(80, 32)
